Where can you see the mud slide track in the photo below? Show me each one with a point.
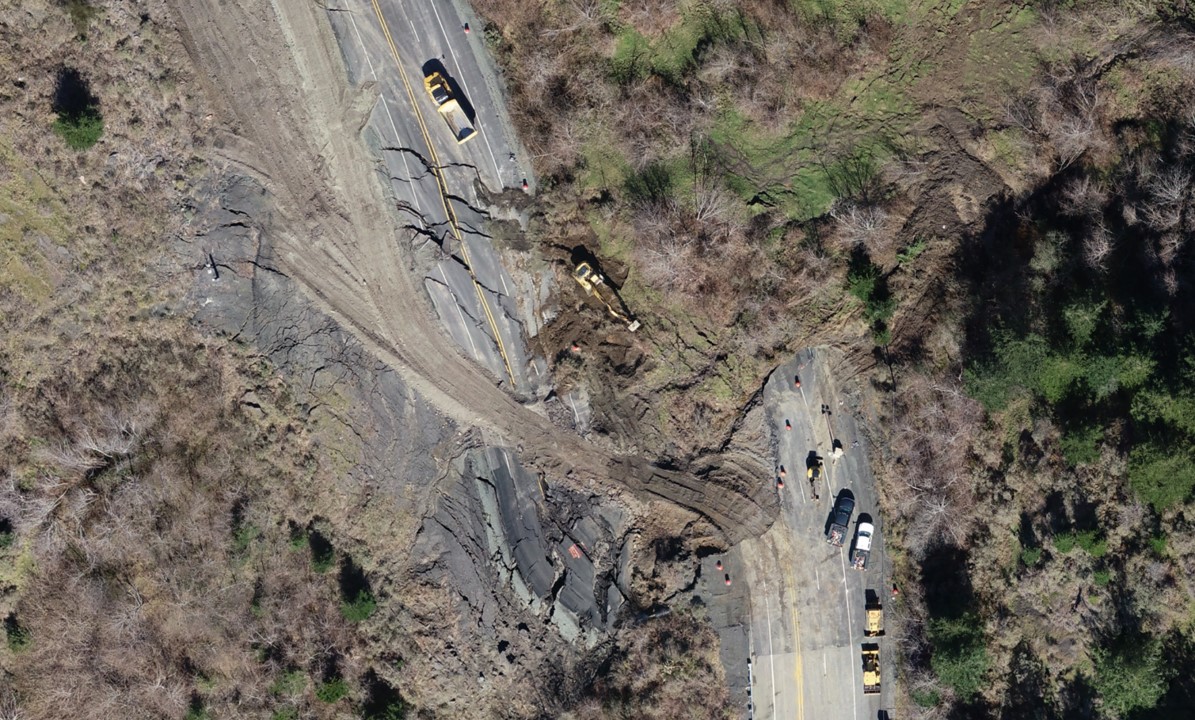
(275, 76)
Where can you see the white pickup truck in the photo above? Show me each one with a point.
(863, 533)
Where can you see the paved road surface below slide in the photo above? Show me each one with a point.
(807, 603)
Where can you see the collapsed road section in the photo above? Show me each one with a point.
(565, 558)
(421, 81)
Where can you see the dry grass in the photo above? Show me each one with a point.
(657, 672)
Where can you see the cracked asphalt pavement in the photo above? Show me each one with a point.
(431, 35)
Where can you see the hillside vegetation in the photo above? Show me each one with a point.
(989, 205)
(158, 557)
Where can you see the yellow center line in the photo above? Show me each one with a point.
(442, 186)
(798, 664)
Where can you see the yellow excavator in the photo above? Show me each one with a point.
(594, 284)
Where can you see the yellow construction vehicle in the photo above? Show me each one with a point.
(875, 616)
(441, 92)
(594, 284)
(871, 669)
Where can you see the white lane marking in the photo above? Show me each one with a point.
(364, 51)
(771, 655)
(850, 629)
(817, 576)
(393, 126)
(576, 417)
(461, 78)
(460, 312)
(506, 462)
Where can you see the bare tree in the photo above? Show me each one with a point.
(862, 225)
(1097, 247)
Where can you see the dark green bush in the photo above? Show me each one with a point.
(1130, 674)
(80, 131)
(332, 690)
(960, 657)
(359, 608)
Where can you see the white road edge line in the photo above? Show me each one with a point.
(771, 655)
(386, 107)
(461, 77)
(460, 312)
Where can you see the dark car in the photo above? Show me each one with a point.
(840, 519)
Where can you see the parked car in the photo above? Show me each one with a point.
(840, 518)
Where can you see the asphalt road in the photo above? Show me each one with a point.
(422, 35)
(807, 603)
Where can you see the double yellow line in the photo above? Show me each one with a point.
(798, 663)
(443, 188)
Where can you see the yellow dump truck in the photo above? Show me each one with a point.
(875, 616)
(871, 669)
(441, 92)
(594, 284)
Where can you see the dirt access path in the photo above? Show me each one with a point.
(276, 77)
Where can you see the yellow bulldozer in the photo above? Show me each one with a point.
(871, 669)
(594, 284)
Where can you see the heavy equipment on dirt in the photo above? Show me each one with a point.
(594, 284)
(871, 669)
(874, 627)
(441, 92)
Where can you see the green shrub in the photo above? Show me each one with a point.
(960, 657)
(287, 713)
(1130, 674)
(861, 282)
(80, 130)
(289, 683)
(1081, 444)
(910, 253)
(81, 13)
(1102, 577)
(1064, 542)
(17, 635)
(927, 698)
(197, 712)
(332, 690)
(1158, 544)
(298, 537)
(323, 555)
(6, 539)
(1031, 556)
(360, 608)
(1093, 542)
(1161, 476)
(243, 538)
